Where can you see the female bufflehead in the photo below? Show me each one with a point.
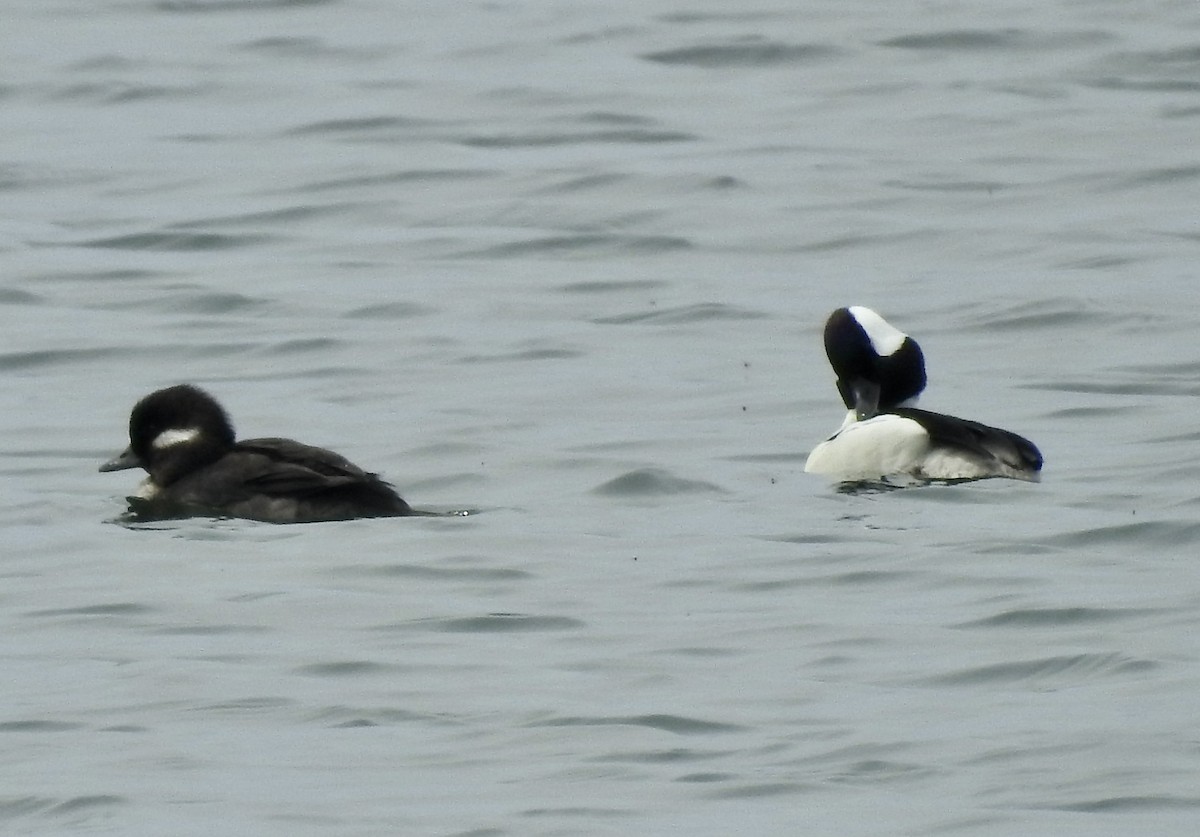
(881, 373)
(184, 440)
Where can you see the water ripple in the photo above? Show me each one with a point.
(17, 361)
(358, 125)
(174, 241)
(645, 482)
(1012, 39)
(13, 296)
(542, 139)
(390, 311)
(119, 92)
(678, 724)
(115, 609)
(673, 755)
(206, 302)
(350, 717)
(23, 806)
(1174, 70)
(341, 669)
(213, 630)
(584, 244)
(1150, 533)
(1133, 803)
(1054, 313)
(747, 53)
(987, 187)
(38, 726)
(403, 176)
(247, 704)
(1150, 86)
(698, 313)
(1046, 672)
(1053, 616)
(1105, 386)
(307, 48)
(490, 624)
(612, 286)
(191, 6)
(1157, 176)
(440, 573)
(760, 790)
(527, 354)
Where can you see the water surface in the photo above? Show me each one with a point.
(568, 265)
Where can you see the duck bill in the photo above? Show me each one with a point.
(862, 396)
(124, 460)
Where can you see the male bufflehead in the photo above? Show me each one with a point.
(182, 437)
(881, 373)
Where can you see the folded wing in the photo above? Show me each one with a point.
(1007, 449)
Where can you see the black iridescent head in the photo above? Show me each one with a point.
(878, 366)
(179, 408)
(174, 430)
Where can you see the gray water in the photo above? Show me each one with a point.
(566, 265)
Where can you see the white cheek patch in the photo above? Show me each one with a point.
(170, 438)
(885, 338)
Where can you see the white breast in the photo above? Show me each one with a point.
(147, 489)
(878, 447)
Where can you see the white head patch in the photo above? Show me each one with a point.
(175, 436)
(885, 338)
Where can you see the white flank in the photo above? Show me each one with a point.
(954, 465)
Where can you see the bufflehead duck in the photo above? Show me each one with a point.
(183, 438)
(881, 373)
